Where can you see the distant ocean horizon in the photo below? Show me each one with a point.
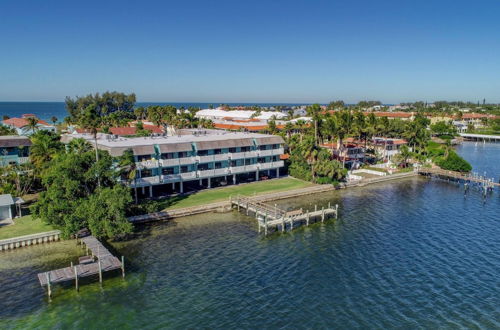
(46, 110)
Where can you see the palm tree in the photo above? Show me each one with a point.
(54, 120)
(45, 145)
(314, 111)
(128, 167)
(32, 123)
(79, 146)
(92, 121)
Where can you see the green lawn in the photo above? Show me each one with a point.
(222, 194)
(24, 226)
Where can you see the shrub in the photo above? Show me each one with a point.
(453, 163)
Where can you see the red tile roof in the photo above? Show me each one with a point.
(22, 122)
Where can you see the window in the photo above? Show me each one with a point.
(248, 161)
(183, 154)
(218, 165)
(217, 151)
(145, 173)
(232, 149)
(168, 155)
(202, 152)
(234, 163)
(184, 169)
(167, 171)
(245, 149)
(202, 167)
(263, 147)
(141, 158)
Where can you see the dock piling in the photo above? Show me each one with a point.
(336, 211)
(76, 278)
(49, 291)
(123, 266)
(100, 270)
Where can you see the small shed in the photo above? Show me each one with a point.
(6, 204)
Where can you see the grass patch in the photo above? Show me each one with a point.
(222, 194)
(24, 226)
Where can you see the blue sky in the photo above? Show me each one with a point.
(251, 51)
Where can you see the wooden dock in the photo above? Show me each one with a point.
(97, 261)
(486, 183)
(273, 217)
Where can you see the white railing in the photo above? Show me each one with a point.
(139, 182)
(212, 158)
(213, 172)
(177, 161)
(242, 155)
(267, 166)
(149, 164)
(271, 152)
(23, 160)
(188, 175)
(171, 178)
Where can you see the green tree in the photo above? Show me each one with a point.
(314, 111)
(32, 123)
(128, 169)
(45, 146)
(70, 182)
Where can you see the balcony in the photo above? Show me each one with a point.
(272, 152)
(271, 165)
(142, 182)
(149, 164)
(213, 172)
(243, 155)
(243, 169)
(212, 158)
(177, 161)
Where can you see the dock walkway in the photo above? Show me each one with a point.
(487, 183)
(99, 262)
(273, 217)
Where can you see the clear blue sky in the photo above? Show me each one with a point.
(251, 51)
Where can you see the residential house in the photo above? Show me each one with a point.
(14, 149)
(21, 125)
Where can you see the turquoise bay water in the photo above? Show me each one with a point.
(410, 254)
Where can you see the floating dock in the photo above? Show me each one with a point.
(97, 261)
(273, 217)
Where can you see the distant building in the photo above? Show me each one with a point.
(20, 125)
(214, 114)
(386, 148)
(14, 150)
(351, 154)
(195, 159)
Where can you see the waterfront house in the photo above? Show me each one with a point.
(386, 148)
(14, 150)
(351, 154)
(22, 127)
(195, 159)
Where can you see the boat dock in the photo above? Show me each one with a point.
(487, 183)
(273, 217)
(97, 261)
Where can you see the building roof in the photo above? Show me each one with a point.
(238, 114)
(22, 122)
(8, 141)
(6, 200)
(203, 139)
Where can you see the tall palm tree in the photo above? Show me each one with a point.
(92, 121)
(129, 168)
(314, 111)
(32, 123)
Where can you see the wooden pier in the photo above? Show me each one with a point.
(97, 261)
(468, 178)
(273, 217)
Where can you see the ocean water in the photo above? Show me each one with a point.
(45, 110)
(415, 253)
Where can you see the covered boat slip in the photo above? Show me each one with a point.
(100, 261)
